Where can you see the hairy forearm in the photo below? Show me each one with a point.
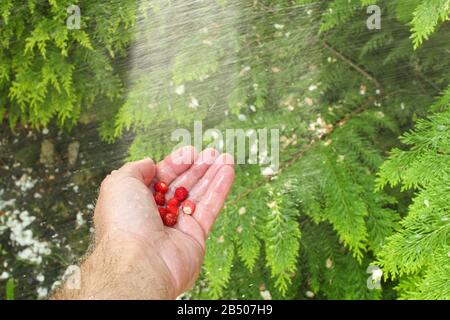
(117, 273)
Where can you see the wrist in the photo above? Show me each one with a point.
(122, 271)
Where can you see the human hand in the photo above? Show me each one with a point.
(135, 256)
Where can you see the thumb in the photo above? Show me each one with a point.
(143, 170)
(125, 199)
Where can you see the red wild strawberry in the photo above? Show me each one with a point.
(160, 199)
(162, 211)
(188, 207)
(170, 219)
(172, 210)
(181, 194)
(161, 187)
(173, 202)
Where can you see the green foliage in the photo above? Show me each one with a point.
(51, 73)
(332, 271)
(332, 179)
(280, 221)
(426, 18)
(340, 11)
(421, 247)
(10, 289)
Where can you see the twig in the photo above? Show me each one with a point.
(363, 72)
(302, 152)
(430, 83)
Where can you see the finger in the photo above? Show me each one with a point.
(175, 164)
(125, 200)
(143, 170)
(212, 202)
(201, 186)
(189, 178)
(186, 223)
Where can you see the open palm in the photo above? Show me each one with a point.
(127, 212)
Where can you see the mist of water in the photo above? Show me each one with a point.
(201, 60)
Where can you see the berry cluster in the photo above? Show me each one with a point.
(169, 212)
